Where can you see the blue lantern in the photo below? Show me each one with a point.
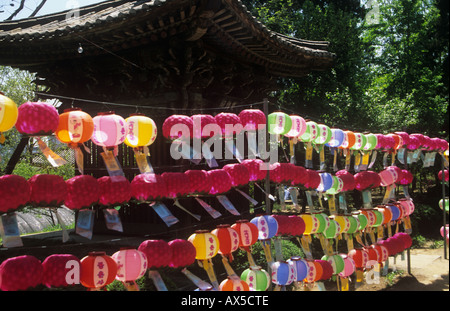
(301, 268)
(282, 273)
(337, 138)
(326, 181)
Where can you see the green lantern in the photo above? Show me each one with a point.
(360, 141)
(324, 134)
(336, 187)
(279, 123)
(336, 261)
(363, 221)
(311, 132)
(324, 222)
(256, 278)
(441, 204)
(378, 218)
(371, 141)
(354, 224)
(333, 229)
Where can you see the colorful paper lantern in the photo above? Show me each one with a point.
(284, 227)
(282, 273)
(183, 253)
(202, 125)
(333, 229)
(257, 278)
(82, 192)
(8, 113)
(315, 272)
(298, 127)
(348, 180)
(406, 177)
(110, 129)
(408, 205)
(405, 138)
(206, 244)
(233, 285)
(360, 141)
(229, 123)
(337, 138)
(239, 174)
(397, 141)
(112, 193)
(267, 226)
(158, 253)
(413, 143)
(297, 225)
(131, 264)
(371, 141)
(301, 268)
(75, 127)
(37, 118)
(311, 223)
(445, 175)
(282, 173)
(344, 223)
(220, 181)
(142, 131)
(20, 273)
(324, 222)
(279, 123)
(248, 233)
(387, 177)
(326, 181)
(97, 270)
(198, 181)
(379, 218)
(371, 216)
(382, 251)
(360, 256)
(363, 221)
(254, 169)
(349, 266)
(395, 211)
(354, 224)
(47, 190)
(349, 140)
(327, 269)
(300, 177)
(324, 134)
(387, 214)
(55, 269)
(148, 187)
(336, 186)
(373, 253)
(366, 180)
(310, 133)
(177, 184)
(336, 261)
(177, 126)
(313, 180)
(228, 240)
(443, 203)
(252, 119)
(14, 192)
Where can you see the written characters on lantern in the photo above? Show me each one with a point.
(231, 300)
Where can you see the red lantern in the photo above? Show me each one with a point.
(220, 181)
(348, 179)
(55, 269)
(405, 138)
(158, 252)
(327, 269)
(389, 142)
(254, 169)
(37, 118)
(374, 255)
(239, 174)
(177, 126)
(228, 122)
(406, 177)
(284, 225)
(248, 233)
(199, 122)
(20, 273)
(282, 173)
(14, 192)
(297, 225)
(82, 192)
(252, 118)
(360, 257)
(97, 270)
(228, 240)
(131, 264)
(114, 192)
(313, 179)
(183, 253)
(199, 181)
(148, 187)
(177, 184)
(300, 177)
(382, 251)
(47, 190)
(445, 175)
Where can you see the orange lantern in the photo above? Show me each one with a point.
(97, 270)
(234, 284)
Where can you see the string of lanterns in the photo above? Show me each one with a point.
(108, 130)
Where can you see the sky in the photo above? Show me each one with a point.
(51, 6)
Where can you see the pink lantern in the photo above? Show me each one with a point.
(349, 266)
(348, 179)
(177, 126)
(282, 173)
(252, 118)
(300, 177)
(55, 270)
(381, 141)
(47, 190)
(158, 253)
(37, 118)
(82, 192)
(183, 253)
(230, 123)
(404, 136)
(113, 192)
(298, 127)
(146, 187)
(239, 174)
(397, 172)
(413, 143)
(20, 273)
(389, 142)
(220, 181)
(110, 129)
(365, 180)
(131, 264)
(387, 177)
(408, 206)
(14, 192)
(199, 181)
(421, 139)
(406, 177)
(254, 169)
(200, 121)
(313, 179)
(177, 184)
(445, 175)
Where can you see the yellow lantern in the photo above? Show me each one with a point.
(311, 223)
(142, 132)
(8, 113)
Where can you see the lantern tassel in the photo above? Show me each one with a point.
(202, 285)
(54, 159)
(208, 266)
(79, 159)
(157, 280)
(267, 252)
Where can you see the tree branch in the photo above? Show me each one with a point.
(21, 5)
(38, 8)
